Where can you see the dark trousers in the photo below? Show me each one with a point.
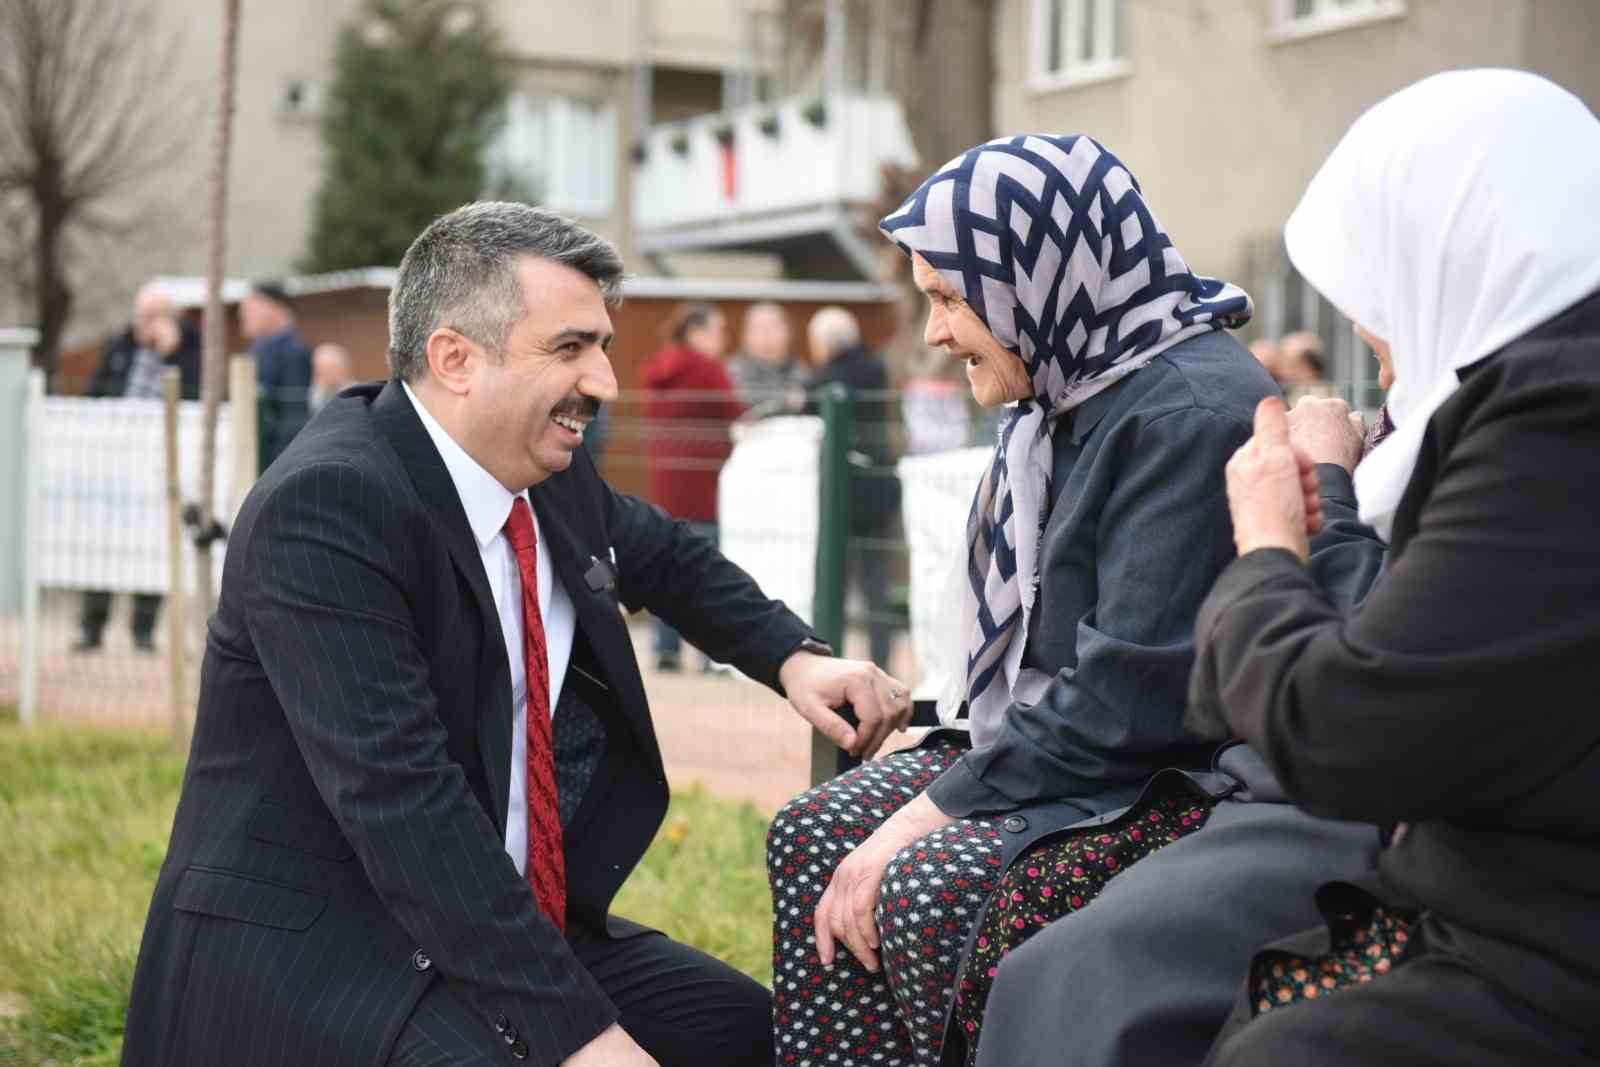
(97, 609)
(682, 1006)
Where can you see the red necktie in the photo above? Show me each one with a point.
(546, 869)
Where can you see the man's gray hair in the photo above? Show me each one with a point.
(461, 273)
(834, 329)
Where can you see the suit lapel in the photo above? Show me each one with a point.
(394, 414)
(573, 552)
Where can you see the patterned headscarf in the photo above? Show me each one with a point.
(1050, 242)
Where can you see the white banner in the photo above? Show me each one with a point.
(767, 506)
(936, 496)
(100, 519)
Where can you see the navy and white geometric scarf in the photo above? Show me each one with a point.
(1050, 241)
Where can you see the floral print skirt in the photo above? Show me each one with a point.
(1364, 947)
(1061, 875)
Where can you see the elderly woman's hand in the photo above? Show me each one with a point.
(846, 914)
(1327, 431)
(1272, 488)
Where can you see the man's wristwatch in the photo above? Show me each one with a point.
(816, 647)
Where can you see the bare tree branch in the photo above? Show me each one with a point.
(88, 117)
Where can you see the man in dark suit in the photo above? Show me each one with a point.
(423, 761)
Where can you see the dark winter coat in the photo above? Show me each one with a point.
(116, 361)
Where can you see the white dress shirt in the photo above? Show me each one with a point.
(488, 506)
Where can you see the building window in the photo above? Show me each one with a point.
(1078, 41)
(1304, 18)
(557, 152)
(300, 100)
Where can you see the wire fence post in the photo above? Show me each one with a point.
(32, 460)
(833, 534)
(177, 594)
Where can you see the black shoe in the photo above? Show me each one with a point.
(668, 664)
(144, 643)
(86, 644)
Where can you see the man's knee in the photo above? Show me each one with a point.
(729, 1024)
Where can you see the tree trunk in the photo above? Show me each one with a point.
(213, 334)
(52, 294)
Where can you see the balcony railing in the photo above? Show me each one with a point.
(740, 174)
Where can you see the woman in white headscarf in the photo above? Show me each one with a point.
(1458, 225)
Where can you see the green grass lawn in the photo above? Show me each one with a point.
(84, 816)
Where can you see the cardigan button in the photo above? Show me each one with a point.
(1015, 824)
(420, 961)
(519, 1051)
(501, 1023)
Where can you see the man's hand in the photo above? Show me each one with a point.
(1272, 488)
(1327, 431)
(613, 1048)
(846, 912)
(818, 684)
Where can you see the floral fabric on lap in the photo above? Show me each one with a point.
(1062, 875)
(1359, 954)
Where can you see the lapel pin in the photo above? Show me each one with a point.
(600, 575)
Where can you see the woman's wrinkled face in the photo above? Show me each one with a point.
(1385, 358)
(996, 373)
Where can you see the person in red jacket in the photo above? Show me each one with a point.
(689, 402)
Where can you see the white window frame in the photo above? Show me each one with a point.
(571, 126)
(1331, 16)
(1104, 65)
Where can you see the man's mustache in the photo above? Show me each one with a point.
(578, 407)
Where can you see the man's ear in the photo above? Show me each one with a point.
(451, 359)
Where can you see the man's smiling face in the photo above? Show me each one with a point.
(527, 411)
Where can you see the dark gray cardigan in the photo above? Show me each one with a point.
(1137, 533)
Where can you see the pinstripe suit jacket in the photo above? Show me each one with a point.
(338, 845)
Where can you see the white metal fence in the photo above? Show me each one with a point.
(86, 637)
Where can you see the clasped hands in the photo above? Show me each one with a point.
(1272, 480)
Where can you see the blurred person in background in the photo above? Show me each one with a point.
(839, 358)
(1456, 707)
(283, 365)
(689, 404)
(933, 406)
(1269, 355)
(330, 372)
(767, 377)
(131, 366)
(1302, 368)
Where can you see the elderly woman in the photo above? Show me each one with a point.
(1092, 539)
(1456, 225)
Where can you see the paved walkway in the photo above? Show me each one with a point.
(735, 737)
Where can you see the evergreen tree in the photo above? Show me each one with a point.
(418, 90)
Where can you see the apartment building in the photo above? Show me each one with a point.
(1224, 109)
(593, 78)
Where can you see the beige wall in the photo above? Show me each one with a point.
(1224, 126)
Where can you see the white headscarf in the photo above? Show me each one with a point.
(1454, 217)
